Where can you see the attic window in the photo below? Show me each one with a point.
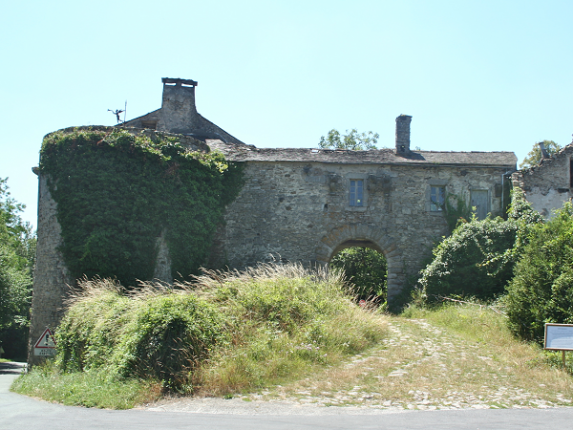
(149, 124)
(571, 173)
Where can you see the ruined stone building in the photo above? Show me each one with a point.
(308, 204)
(548, 186)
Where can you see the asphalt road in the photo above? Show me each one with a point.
(22, 413)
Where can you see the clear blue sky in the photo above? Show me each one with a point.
(475, 75)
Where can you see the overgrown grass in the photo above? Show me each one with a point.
(227, 332)
(93, 388)
(284, 322)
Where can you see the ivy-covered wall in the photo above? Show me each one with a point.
(117, 190)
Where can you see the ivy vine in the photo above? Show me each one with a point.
(117, 192)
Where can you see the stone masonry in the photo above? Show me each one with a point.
(549, 185)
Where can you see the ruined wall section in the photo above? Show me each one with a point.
(290, 210)
(547, 186)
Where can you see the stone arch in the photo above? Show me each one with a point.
(371, 237)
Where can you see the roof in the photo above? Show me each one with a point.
(377, 156)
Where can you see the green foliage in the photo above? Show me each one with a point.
(475, 261)
(534, 157)
(457, 211)
(94, 388)
(117, 192)
(224, 332)
(17, 247)
(351, 140)
(542, 289)
(283, 322)
(159, 335)
(366, 269)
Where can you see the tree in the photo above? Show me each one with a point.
(366, 269)
(535, 156)
(542, 288)
(17, 249)
(352, 140)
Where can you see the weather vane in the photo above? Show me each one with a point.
(117, 113)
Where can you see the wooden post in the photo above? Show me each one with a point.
(563, 356)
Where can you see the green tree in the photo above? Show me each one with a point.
(534, 156)
(366, 269)
(17, 248)
(351, 140)
(542, 289)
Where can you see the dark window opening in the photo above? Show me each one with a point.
(571, 173)
(149, 124)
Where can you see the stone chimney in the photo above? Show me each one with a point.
(544, 153)
(178, 104)
(403, 134)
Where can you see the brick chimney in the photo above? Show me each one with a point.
(178, 104)
(403, 134)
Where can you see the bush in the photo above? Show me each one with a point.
(475, 261)
(366, 269)
(151, 334)
(542, 289)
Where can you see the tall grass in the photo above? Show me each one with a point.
(225, 332)
(283, 322)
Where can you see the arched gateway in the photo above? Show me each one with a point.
(366, 236)
(304, 204)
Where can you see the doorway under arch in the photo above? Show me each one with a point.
(365, 267)
(368, 236)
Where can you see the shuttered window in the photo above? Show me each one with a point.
(356, 192)
(437, 198)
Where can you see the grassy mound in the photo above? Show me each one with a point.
(225, 332)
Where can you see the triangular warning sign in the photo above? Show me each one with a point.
(46, 340)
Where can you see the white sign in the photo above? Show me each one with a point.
(559, 336)
(46, 345)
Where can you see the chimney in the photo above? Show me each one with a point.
(178, 105)
(403, 134)
(544, 153)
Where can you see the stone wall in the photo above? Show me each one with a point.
(51, 277)
(547, 186)
(300, 212)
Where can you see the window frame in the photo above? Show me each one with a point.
(431, 207)
(350, 177)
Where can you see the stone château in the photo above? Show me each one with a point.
(304, 204)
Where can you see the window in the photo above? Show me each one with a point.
(480, 201)
(437, 198)
(356, 192)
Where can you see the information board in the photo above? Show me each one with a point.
(559, 337)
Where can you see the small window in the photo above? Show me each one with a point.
(437, 198)
(356, 192)
(149, 124)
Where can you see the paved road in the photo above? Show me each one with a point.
(22, 413)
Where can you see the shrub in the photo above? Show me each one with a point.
(154, 333)
(542, 289)
(475, 261)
